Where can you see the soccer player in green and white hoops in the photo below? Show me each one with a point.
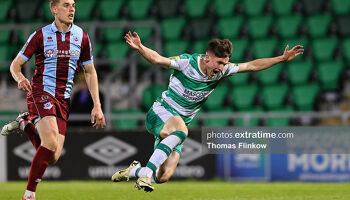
(194, 78)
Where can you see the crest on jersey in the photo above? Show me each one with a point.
(48, 106)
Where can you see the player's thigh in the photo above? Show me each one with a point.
(48, 132)
(167, 169)
(175, 123)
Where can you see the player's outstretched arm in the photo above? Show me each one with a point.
(16, 72)
(150, 55)
(97, 116)
(264, 63)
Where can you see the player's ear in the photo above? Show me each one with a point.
(206, 57)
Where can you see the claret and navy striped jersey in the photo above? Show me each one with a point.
(57, 58)
(189, 87)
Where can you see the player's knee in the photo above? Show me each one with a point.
(50, 143)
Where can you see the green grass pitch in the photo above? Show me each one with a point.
(180, 190)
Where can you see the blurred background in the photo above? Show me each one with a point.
(312, 90)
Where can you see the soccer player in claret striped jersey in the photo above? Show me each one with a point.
(60, 49)
(193, 80)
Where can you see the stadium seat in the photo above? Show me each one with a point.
(270, 76)
(313, 6)
(328, 74)
(318, 25)
(216, 100)
(284, 7)
(5, 6)
(346, 50)
(84, 10)
(168, 8)
(224, 8)
(150, 94)
(4, 53)
(242, 97)
(4, 36)
(279, 121)
(201, 28)
(323, 49)
(47, 14)
(113, 34)
(144, 32)
(196, 8)
(343, 25)
(288, 26)
(264, 48)
(218, 122)
(259, 26)
(239, 48)
(138, 9)
(252, 121)
(126, 124)
(175, 47)
(199, 46)
(172, 28)
(299, 72)
(229, 27)
(340, 7)
(117, 50)
(238, 79)
(304, 96)
(109, 9)
(273, 96)
(253, 7)
(293, 42)
(26, 11)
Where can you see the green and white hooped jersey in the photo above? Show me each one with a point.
(189, 87)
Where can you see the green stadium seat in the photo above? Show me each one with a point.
(273, 96)
(238, 79)
(201, 28)
(252, 121)
(216, 100)
(144, 32)
(126, 124)
(299, 72)
(323, 49)
(10, 113)
(270, 76)
(346, 50)
(264, 48)
(259, 26)
(4, 36)
(340, 7)
(224, 8)
(117, 50)
(168, 8)
(199, 46)
(312, 6)
(318, 25)
(5, 6)
(304, 96)
(280, 121)
(47, 14)
(293, 42)
(98, 47)
(229, 26)
(150, 94)
(109, 9)
(196, 8)
(175, 47)
(113, 34)
(194, 124)
(138, 9)
(242, 97)
(84, 10)
(343, 25)
(239, 47)
(253, 7)
(26, 10)
(328, 74)
(218, 122)
(284, 7)
(172, 28)
(288, 26)
(4, 53)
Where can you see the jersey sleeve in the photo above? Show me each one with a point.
(178, 62)
(230, 68)
(31, 46)
(86, 56)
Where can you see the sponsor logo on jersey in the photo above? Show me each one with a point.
(195, 95)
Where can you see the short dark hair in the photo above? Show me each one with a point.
(220, 48)
(54, 2)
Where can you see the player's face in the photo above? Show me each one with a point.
(215, 64)
(64, 11)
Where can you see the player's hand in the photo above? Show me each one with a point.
(289, 55)
(97, 117)
(133, 40)
(24, 85)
